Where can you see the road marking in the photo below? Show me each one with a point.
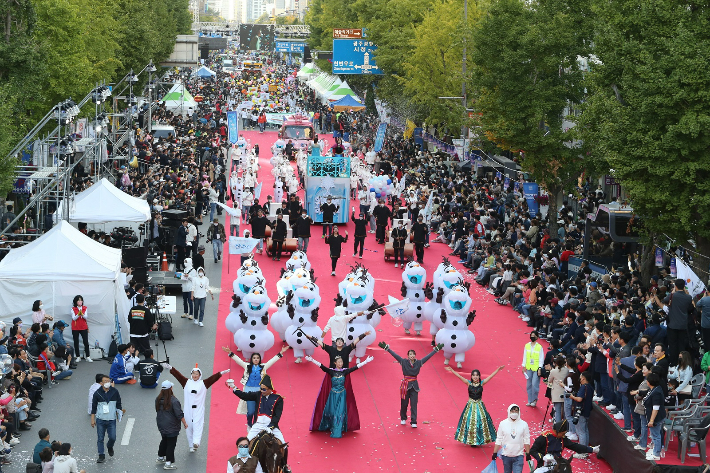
(127, 433)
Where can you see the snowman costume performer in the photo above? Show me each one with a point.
(303, 309)
(413, 288)
(194, 395)
(445, 277)
(453, 319)
(254, 337)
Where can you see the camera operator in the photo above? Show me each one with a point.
(554, 441)
(583, 409)
(142, 321)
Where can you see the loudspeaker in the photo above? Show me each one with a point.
(140, 275)
(135, 257)
(174, 214)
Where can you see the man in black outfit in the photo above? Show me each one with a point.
(141, 321)
(399, 237)
(258, 228)
(278, 236)
(302, 227)
(382, 215)
(294, 207)
(328, 210)
(181, 245)
(418, 233)
(360, 232)
(680, 304)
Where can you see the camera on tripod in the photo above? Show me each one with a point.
(124, 235)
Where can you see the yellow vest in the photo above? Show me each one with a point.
(532, 357)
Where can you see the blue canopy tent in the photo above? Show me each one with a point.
(205, 72)
(348, 102)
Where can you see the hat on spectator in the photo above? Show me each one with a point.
(166, 385)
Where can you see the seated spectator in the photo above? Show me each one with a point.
(63, 349)
(64, 463)
(43, 363)
(41, 445)
(149, 370)
(118, 372)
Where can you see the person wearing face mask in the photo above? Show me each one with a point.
(39, 316)
(399, 238)
(335, 241)
(169, 416)
(216, 234)
(533, 358)
(104, 411)
(475, 424)
(409, 388)
(200, 288)
(418, 235)
(553, 442)
(194, 395)
(382, 214)
(278, 237)
(243, 462)
(512, 441)
(79, 326)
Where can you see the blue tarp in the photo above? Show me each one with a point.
(347, 101)
(205, 72)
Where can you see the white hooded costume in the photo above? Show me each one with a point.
(195, 393)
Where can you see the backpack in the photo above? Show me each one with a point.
(165, 331)
(33, 468)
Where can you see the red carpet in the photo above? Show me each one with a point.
(381, 444)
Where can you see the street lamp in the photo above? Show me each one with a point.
(151, 69)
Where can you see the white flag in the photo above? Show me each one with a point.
(397, 308)
(692, 281)
(429, 204)
(257, 191)
(241, 245)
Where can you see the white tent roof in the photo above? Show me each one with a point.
(179, 98)
(103, 202)
(62, 254)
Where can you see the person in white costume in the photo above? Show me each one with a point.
(195, 393)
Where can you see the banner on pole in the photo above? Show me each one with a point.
(530, 191)
(233, 126)
(241, 245)
(659, 257)
(380, 137)
(257, 191)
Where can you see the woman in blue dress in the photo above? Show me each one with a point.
(254, 371)
(333, 415)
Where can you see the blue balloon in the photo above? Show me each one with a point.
(389, 181)
(372, 189)
(378, 195)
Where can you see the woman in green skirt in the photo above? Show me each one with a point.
(475, 425)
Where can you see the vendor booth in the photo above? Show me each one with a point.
(59, 265)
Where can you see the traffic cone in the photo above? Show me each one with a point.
(164, 264)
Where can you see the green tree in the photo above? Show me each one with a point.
(525, 74)
(81, 46)
(648, 114)
(434, 68)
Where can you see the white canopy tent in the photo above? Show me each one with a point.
(103, 202)
(59, 265)
(179, 100)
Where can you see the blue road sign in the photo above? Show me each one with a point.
(289, 47)
(354, 56)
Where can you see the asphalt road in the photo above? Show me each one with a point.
(65, 406)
